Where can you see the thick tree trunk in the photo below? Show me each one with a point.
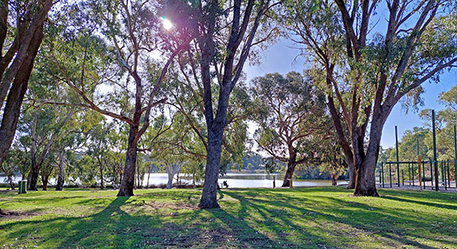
(33, 178)
(289, 174)
(209, 195)
(61, 177)
(128, 180)
(170, 181)
(45, 180)
(366, 170)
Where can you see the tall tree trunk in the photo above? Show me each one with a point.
(20, 70)
(352, 175)
(101, 168)
(33, 177)
(170, 178)
(45, 180)
(61, 177)
(289, 173)
(366, 171)
(10, 180)
(209, 194)
(128, 180)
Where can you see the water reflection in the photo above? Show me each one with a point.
(234, 180)
(242, 180)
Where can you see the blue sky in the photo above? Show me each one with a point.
(281, 58)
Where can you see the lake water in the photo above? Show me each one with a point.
(234, 180)
(244, 180)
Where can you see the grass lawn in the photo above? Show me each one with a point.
(327, 217)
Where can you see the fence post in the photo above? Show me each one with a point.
(434, 152)
(396, 150)
(455, 156)
(390, 175)
(419, 162)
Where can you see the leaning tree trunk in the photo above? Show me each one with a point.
(23, 62)
(289, 173)
(214, 150)
(128, 180)
(61, 177)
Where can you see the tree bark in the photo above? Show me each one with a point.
(289, 173)
(10, 180)
(128, 179)
(45, 180)
(20, 70)
(335, 174)
(61, 177)
(101, 168)
(214, 151)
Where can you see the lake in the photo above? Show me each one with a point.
(244, 180)
(234, 180)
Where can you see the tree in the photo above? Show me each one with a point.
(21, 33)
(290, 112)
(41, 128)
(367, 74)
(111, 44)
(224, 43)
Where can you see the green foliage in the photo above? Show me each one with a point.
(290, 113)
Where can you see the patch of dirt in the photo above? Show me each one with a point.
(152, 205)
(14, 214)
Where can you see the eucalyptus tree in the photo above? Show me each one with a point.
(290, 112)
(370, 63)
(186, 98)
(41, 129)
(227, 31)
(115, 55)
(21, 33)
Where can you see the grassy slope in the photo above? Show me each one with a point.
(249, 218)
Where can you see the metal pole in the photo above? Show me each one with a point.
(412, 172)
(455, 156)
(431, 174)
(420, 171)
(390, 174)
(448, 165)
(382, 173)
(434, 152)
(396, 150)
(443, 175)
(409, 173)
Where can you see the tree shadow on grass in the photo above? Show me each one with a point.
(345, 219)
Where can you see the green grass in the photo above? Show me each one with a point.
(248, 218)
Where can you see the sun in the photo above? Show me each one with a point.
(167, 24)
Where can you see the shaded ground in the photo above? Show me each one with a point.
(248, 218)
